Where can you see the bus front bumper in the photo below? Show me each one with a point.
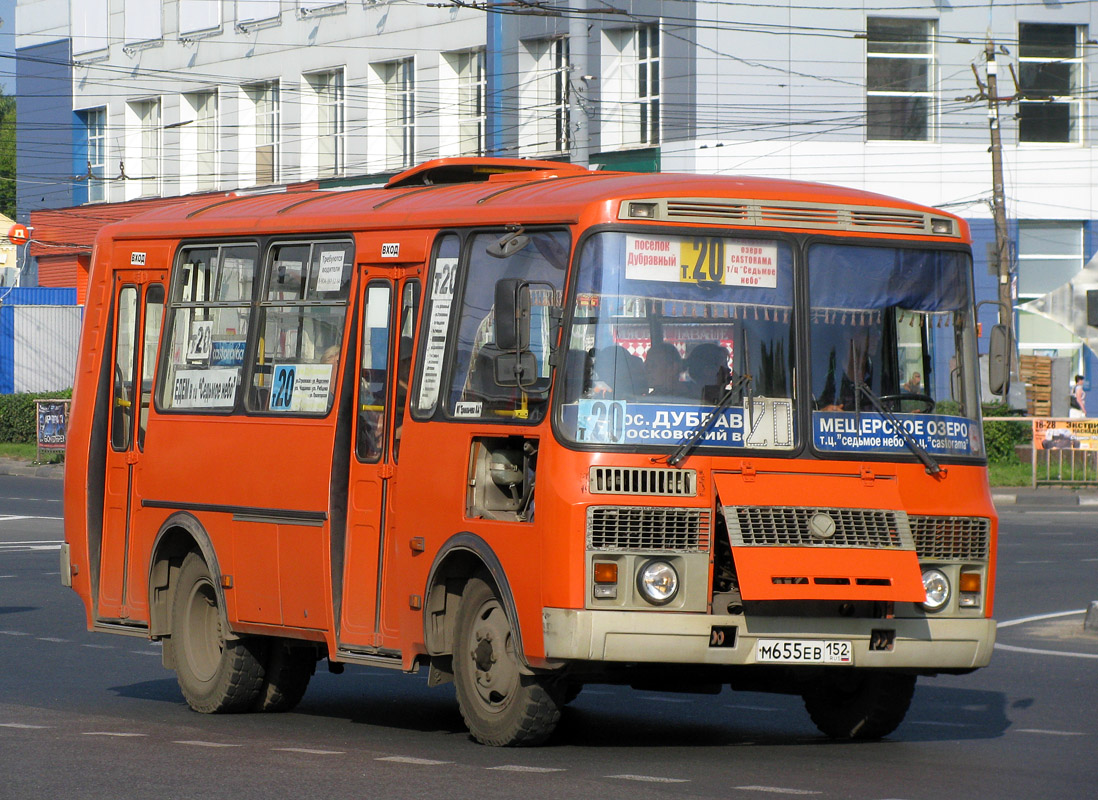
(660, 637)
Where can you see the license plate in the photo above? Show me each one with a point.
(803, 651)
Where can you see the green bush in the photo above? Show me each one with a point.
(17, 420)
(1001, 437)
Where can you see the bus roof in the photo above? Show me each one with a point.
(499, 192)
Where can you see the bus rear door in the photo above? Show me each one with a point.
(389, 303)
(138, 313)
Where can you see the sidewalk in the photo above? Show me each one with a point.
(10, 466)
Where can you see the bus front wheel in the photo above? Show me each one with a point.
(859, 704)
(215, 675)
(500, 705)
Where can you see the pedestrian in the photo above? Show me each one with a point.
(1078, 399)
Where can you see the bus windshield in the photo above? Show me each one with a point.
(892, 343)
(664, 326)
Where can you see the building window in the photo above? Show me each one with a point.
(900, 64)
(199, 15)
(400, 112)
(264, 98)
(251, 11)
(89, 24)
(143, 148)
(95, 126)
(1050, 69)
(545, 95)
(205, 139)
(1050, 253)
(631, 88)
(471, 96)
(327, 88)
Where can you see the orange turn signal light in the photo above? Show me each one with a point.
(606, 572)
(970, 582)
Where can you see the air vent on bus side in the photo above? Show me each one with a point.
(778, 214)
(644, 481)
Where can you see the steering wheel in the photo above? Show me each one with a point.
(894, 400)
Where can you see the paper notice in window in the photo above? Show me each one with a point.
(330, 276)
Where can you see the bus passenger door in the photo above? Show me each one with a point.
(384, 357)
(138, 313)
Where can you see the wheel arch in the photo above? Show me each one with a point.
(461, 557)
(180, 534)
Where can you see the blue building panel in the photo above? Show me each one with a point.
(44, 138)
(39, 296)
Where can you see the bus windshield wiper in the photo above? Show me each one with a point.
(932, 466)
(707, 422)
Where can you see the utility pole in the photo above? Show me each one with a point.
(998, 195)
(577, 77)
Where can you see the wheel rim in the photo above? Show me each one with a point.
(491, 652)
(203, 631)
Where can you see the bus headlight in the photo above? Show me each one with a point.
(658, 582)
(937, 589)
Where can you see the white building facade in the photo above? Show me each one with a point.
(127, 99)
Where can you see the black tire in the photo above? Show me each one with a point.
(286, 677)
(216, 676)
(859, 704)
(501, 706)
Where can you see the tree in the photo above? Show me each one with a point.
(7, 155)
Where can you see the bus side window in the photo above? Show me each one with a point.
(409, 308)
(154, 317)
(443, 283)
(125, 388)
(373, 380)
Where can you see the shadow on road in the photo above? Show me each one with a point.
(17, 609)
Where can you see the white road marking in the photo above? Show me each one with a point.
(7, 576)
(775, 790)
(1037, 652)
(144, 653)
(937, 724)
(521, 768)
(26, 548)
(668, 700)
(99, 646)
(1051, 733)
(309, 751)
(113, 733)
(197, 743)
(1039, 617)
(751, 708)
(22, 726)
(648, 779)
(50, 639)
(15, 633)
(424, 762)
(1044, 561)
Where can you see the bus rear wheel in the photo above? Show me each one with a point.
(215, 675)
(500, 705)
(287, 672)
(859, 705)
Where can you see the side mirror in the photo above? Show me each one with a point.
(513, 315)
(998, 360)
(516, 369)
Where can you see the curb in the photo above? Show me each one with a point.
(28, 469)
(1041, 499)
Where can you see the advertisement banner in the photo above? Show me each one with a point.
(53, 421)
(1065, 434)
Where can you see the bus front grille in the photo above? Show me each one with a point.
(951, 538)
(644, 481)
(647, 528)
(789, 526)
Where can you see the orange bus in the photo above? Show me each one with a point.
(532, 427)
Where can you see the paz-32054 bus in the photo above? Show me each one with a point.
(534, 427)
